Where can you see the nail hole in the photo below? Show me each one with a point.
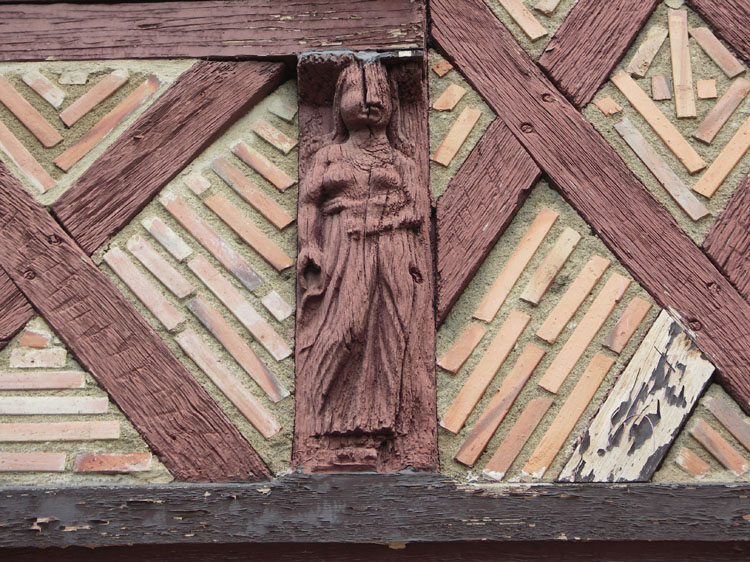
(29, 274)
(527, 127)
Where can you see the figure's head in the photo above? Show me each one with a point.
(363, 96)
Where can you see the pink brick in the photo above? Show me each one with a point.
(273, 136)
(168, 238)
(26, 114)
(197, 183)
(36, 339)
(143, 289)
(263, 166)
(249, 406)
(50, 380)
(96, 94)
(113, 462)
(32, 462)
(277, 306)
(159, 267)
(282, 108)
(44, 87)
(65, 431)
(29, 358)
(22, 158)
(52, 405)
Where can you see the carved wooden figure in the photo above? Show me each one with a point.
(365, 365)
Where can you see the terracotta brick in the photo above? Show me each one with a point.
(263, 166)
(65, 431)
(442, 68)
(167, 237)
(196, 183)
(36, 339)
(273, 136)
(159, 267)
(449, 98)
(481, 377)
(113, 462)
(251, 193)
(251, 234)
(628, 323)
(240, 308)
(608, 106)
(52, 405)
(282, 108)
(682, 71)
(26, 114)
(32, 462)
(41, 380)
(120, 113)
(706, 89)
(249, 406)
(456, 136)
(515, 265)
(551, 265)
(524, 19)
(237, 348)
(584, 333)
(641, 61)
(143, 289)
(723, 58)
(211, 241)
(661, 87)
(719, 448)
(44, 87)
(29, 166)
(713, 178)
(93, 97)
(731, 419)
(277, 306)
(462, 348)
(692, 463)
(27, 358)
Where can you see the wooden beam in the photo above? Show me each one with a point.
(728, 241)
(591, 40)
(17, 311)
(404, 507)
(593, 178)
(186, 119)
(728, 18)
(171, 410)
(251, 29)
(476, 208)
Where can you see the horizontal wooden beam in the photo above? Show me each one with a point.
(368, 508)
(476, 208)
(171, 410)
(594, 179)
(251, 28)
(590, 42)
(730, 20)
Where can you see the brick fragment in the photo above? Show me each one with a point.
(462, 348)
(64, 431)
(112, 463)
(32, 462)
(93, 97)
(456, 137)
(21, 157)
(168, 238)
(44, 87)
(159, 267)
(36, 339)
(26, 114)
(263, 166)
(47, 380)
(196, 183)
(273, 136)
(52, 405)
(277, 306)
(29, 358)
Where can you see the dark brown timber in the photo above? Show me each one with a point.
(362, 508)
(594, 179)
(251, 28)
(590, 42)
(728, 241)
(170, 409)
(476, 208)
(186, 119)
(365, 360)
(730, 19)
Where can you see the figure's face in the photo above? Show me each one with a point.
(365, 97)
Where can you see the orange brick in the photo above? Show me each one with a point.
(725, 162)
(442, 68)
(477, 383)
(251, 234)
(449, 98)
(273, 136)
(240, 308)
(65, 431)
(263, 166)
(52, 405)
(277, 306)
(706, 89)
(245, 402)
(551, 265)
(113, 462)
(515, 265)
(29, 358)
(120, 113)
(35, 339)
(159, 267)
(26, 114)
(627, 324)
(722, 111)
(692, 463)
(48, 380)
(93, 97)
(251, 193)
(22, 158)
(32, 462)
(143, 289)
(167, 237)
(197, 183)
(209, 239)
(462, 348)
(735, 422)
(661, 89)
(608, 106)
(456, 136)
(717, 51)
(44, 87)
(500, 405)
(524, 19)
(584, 333)
(719, 448)
(237, 348)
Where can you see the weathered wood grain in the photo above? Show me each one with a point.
(726, 17)
(187, 118)
(254, 28)
(591, 40)
(728, 241)
(645, 410)
(476, 208)
(171, 410)
(598, 184)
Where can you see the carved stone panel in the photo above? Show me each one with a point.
(365, 365)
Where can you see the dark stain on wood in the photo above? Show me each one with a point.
(728, 241)
(185, 120)
(476, 208)
(729, 19)
(365, 359)
(175, 415)
(593, 178)
(590, 42)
